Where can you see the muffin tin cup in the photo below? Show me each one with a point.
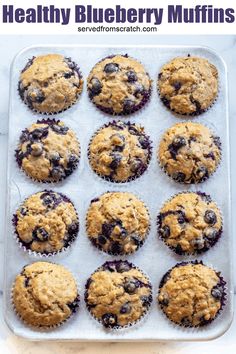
(223, 302)
(137, 108)
(77, 68)
(205, 178)
(116, 329)
(130, 179)
(119, 254)
(32, 253)
(198, 252)
(50, 327)
(46, 121)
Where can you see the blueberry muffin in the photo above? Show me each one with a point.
(188, 85)
(46, 222)
(119, 85)
(117, 222)
(120, 152)
(118, 294)
(191, 294)
(48, 151)
(190, 223)
(189, 152)
(50, 83)
(45, 294)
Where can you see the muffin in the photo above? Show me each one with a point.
(119, 85)
(191, 294)
(188, 85)
(118, 294)
(50, 83)
(120, 152)
(45, 294)
(117, 222)
(48, 151)
(46, 222)
(189, 152)
(190, 223)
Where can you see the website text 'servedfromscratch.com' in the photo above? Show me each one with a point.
(116, 29)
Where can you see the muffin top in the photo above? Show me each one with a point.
(46, 222)
(118, 294)
(45, 294)
(191, 294)
(189, 152)
(50, 83)
(119, 85)
(120, 151)
(48, 151)
(190, 223)
(117, 222)
(188, 85)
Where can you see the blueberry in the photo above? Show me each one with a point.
(210, 156)
(36, 95)
(131, 75)
(73, 305)
(138, 89)
(96, 88)
(116, 248)
(137, 166)
(111, 68)
(210, 217)
(211, 234)
(198, 243)
(123, 266)
(164, 301)
(40, 234)
(146, 300)
(144, 141)
(217, 141)
(137, 240)
(36, 149)
(24, 136)
(70, 63)
(57, 172)
(166, 101)
(68, 75)
(102, 240)
(178, 142)
(72, 161)
(202, 173)
(126, 308)
(109, 320)
(205, 197)
(95, 200)
(133, 130)
(38, 133)
(177, 85)
(160, 75)
(23, 211)
(73, 228)
(197, 104)
(55, 158)
(26, 282)
(107, 229)
(118, 140)
(59, 129)
(181, 218)
(47, 199)
(217, 292)
(165, 231)
(116, 159)
(179, 176)
(130, 286)
(179, 249)
(128, 105)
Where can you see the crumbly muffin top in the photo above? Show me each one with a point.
(50, 83)
(46, 222)
(48, 151)
(189, 152)
(118, 294)
(119, 85)
(191, 295)
(45, 294)
(188, 85)
(117, 222)
(190, 223)
(120, 151)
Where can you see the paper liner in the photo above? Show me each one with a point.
(131, 178)
(210, 242)
(99, 247)
(197, 113)
(50, 327)
(114, 263)
(26, 247)
(48, 121)
(205, 178)
(21, 94)
(108, 110)
(222, 282)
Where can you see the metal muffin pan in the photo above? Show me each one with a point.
(154, 188)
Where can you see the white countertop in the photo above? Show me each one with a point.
(10, 45)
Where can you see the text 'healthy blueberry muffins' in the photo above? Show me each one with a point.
(190, 223)
(119, 85)
(48, 151)
(191, 294)
(46, 222)
(50, 83)
(188, 85)
(117, 223)
(120, 152)
(45, 294)
(189, 152)
(118, 294)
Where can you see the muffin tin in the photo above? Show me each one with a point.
(153, 187)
